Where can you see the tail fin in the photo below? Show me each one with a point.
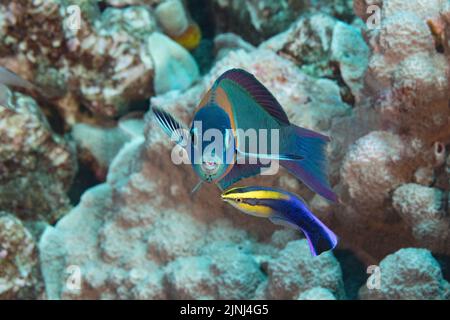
(320, 238)
(312, 169)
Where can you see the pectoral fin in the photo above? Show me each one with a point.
(173, 128)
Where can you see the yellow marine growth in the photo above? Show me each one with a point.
(176, 22)
(190, 38)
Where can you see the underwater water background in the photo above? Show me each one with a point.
(92, 205)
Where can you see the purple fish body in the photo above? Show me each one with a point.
(286, 209)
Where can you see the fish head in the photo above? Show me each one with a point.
(257, 201)
(212, 147)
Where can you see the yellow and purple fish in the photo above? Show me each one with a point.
(238, 103)
(283, 208)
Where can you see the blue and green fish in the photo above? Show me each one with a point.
(238, 102)
(283, 208)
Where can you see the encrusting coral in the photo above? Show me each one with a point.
(105, 62)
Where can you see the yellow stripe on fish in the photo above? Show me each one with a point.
(239, 198)
(254, 210)
(255, 194)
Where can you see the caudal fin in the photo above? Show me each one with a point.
(320, 238)
(312, 169)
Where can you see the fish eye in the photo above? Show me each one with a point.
(238, 200)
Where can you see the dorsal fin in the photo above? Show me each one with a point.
(257, 91)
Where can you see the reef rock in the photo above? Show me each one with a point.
(323, 46)
(295, 271)
(116, 46)
(36, 165)
(124, 3)
(19, 271)
(223, 271)
(258, 20)
(406, 89)
(373, 163)
(408, 72)
(317, 293)
(409, 274)
(175, 69)
(98, 145)
(423, 208)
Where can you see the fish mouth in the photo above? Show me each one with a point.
(210, 165)
(225, 199)
(210, 170)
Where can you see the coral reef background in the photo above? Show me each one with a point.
(92, 207)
